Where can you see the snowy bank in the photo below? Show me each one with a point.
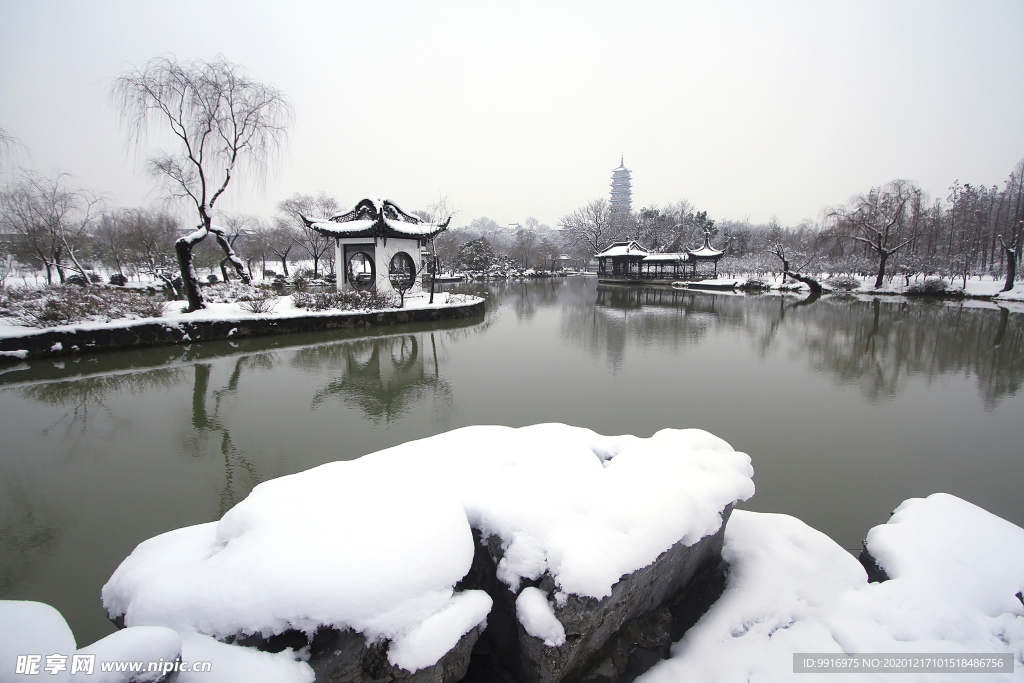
(220, 321)
(410, 547)
(954, 570)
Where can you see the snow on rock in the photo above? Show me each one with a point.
(139, 644)
(427, 642)
(32, 628)
(232, 664)
(537, 616)
(953, 566)
(378, 544)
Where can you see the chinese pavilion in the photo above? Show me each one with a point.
(377, 245)
(631, 262)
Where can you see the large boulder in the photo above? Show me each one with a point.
(586, 638)
(389, 567)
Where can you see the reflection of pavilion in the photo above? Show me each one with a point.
(624, 262)
(385, 376)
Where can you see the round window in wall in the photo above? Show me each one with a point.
(360, 271)
(402, 271)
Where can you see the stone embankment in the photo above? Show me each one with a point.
(56, 342)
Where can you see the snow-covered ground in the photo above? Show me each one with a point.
(976, 286)
(284, 308)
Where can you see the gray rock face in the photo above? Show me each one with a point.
(338, 656)
(601, 635)
(345, 657)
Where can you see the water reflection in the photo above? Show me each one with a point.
(86, 399)
(29, 531)
(383, 378)
(240, 474)
(875, 344)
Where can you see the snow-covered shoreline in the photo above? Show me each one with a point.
(219, 321)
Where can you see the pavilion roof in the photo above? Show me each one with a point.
(668, 256)
(632, 248)
(706, 251)
(376, 217)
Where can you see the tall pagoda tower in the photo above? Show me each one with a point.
(622, 189)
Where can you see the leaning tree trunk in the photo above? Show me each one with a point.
(813, 284)
(190, 283)
(183, 249)
(883, 256)
(1010, 251)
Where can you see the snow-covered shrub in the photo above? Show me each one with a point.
(300, 283)
(212, 279)
(843, 283)
(259, 300)
(755, 285)
(933, 286)
(66, 305)
(118, 279)
(343, 301)
(227, 292)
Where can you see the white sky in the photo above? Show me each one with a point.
(516, 109)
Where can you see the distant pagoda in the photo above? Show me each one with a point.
(622, 189)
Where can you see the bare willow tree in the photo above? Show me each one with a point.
(224, 123)
(9, 144)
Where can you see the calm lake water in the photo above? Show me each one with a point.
(846, 406)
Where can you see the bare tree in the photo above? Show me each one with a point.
(282, 240)
(50, 218)
(880, 220)
(523, 246)
(151, 236)
(439, 211)
(1012, 249)
(9, 144)
(777, 246)
(224, 122)
(257, 243)
(110, 240)
(589, 227)
(314, 243)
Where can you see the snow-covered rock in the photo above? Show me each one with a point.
(382, 546)
(953, 568)
(144, 644)
(33, 629)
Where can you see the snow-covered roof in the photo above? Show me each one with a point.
(667, 257)
(706, 251)
(632, 248)
(376, 217)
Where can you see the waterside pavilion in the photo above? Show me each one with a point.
(625, 262)
(378, 245)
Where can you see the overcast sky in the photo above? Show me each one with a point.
(517, 109)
